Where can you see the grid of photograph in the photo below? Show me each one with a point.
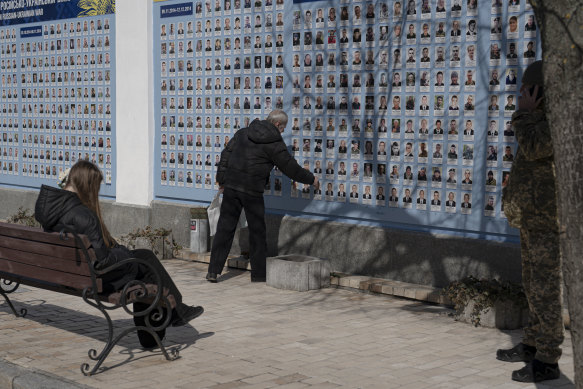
(384, 101)
(401, 105)
(513, 46)
(56, 98)
(220, 67)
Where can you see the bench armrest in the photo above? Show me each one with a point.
(152, 293)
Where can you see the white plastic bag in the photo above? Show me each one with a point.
(214, 212)
(242, 220)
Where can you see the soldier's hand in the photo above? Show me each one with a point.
(316, 182)
(528, 100)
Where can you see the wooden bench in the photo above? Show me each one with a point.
(63, 262)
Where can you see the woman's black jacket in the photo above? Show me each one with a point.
(56, 207)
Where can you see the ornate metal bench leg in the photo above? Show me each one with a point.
(88, 371)
(5, 288)
(93, 353)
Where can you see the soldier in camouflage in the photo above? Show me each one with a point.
(530, 204)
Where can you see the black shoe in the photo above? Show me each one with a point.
(519, 353)
(211, 277)
(146, 340)
(537, 371)
(187, 314)
(257, 278)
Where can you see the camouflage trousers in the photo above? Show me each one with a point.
(542, 281)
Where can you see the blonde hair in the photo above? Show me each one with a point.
(86, 179)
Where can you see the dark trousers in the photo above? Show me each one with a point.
(233, 202)
(146, 275)
(117, 279)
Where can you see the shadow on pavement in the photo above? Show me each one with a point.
(229, 274)
(563, 381)
(427, 307)
(95, 327)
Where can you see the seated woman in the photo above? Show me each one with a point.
(77, 207)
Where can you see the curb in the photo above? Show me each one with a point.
(365, 284)
(417, 292)
(13, 376)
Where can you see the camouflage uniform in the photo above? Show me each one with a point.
(530, 204)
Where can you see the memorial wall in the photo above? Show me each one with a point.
(402, 108)
(57, 91)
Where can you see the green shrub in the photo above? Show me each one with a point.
(22, 216)
(484, 293)
(152, 236)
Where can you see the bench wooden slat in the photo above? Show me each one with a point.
(62, 252)
(41, 284)
(38, 235)
(47, 275)
(45, 261)
(112, 298)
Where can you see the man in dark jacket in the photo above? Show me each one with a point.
(244, 168)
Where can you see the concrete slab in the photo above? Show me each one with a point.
(298, 272)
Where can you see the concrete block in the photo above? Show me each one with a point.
(433, 297)
(410, 293)
(377, 287)
(503, 315)
(387, 288)
(422, 294)
(297, 272)
(399, 291)
(344, 281)
(356, 281)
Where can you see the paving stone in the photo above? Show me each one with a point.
(257, 337)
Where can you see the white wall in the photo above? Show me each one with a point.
(135, 120)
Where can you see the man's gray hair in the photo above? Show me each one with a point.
(277, 115)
